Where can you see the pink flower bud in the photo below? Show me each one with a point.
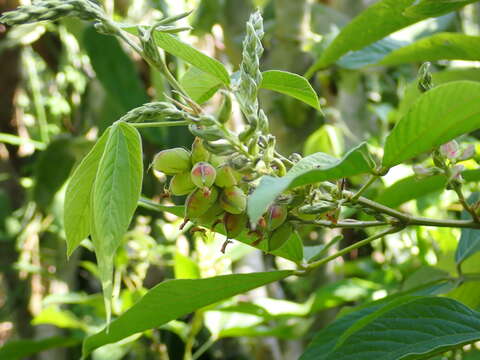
(467, 153)
(450, 150)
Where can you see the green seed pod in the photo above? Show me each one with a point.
(211, 215)
(234, 224)
(233, 200)
(226, 109)
(226, 177)
(172, 161)
(203, 175)
(276, 216)
(199, 153)
(280, 236)
(181, 184)
(199, 202)
(317, 208)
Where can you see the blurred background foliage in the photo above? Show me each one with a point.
(63, 83)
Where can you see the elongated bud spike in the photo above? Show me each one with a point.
(203, 175)
(172, 161)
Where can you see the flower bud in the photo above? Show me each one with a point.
(233, 200)
(199, 202)
(234, 224)
(226, 177)
(422, 172)
(199, 153)
(181, 184)
(206, 133)
(221, 148)
(450, 150)
(172, 161)
(279, 237)
(226, 109)
(276, 216)
(467, 153)
(203, 175)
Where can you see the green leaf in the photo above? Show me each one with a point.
(172, 299)
(377, 21)
(185, 268)
(77, 196)
(119, 77)
(311, 169)
(22, 349)
(290, 84)
(439, 115)
(443, 46)
(328, 139)
(469, 243)
(199, 85)
(114, 198)
(418, 327)
(433, 8)
(178, 48)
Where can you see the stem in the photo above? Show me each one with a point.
(205, 346)
(458, 189)
(365, 186)
(381, 208)
(348, 249)
(161, 124)
(345, 224)
(284, 159)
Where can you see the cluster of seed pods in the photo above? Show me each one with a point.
(217, 193)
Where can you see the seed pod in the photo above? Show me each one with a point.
(234, 224)
(280, 236)
(172, 161)
(181, 184)
(199, 153)
(203, 175)
(276, 216)
(211, 215)
(206, 133)
(199, 202)
(233, 200)
(226, 177)
(317, 208)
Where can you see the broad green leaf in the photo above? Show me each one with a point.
(291, 250)
(328, 139)
(77, 196)
(114, 198)
(311, 169)
(290, 84)
(22, 349)
(469, 243)
(443, 46)
(53, 315)
(439, 115)
(172, 299)
(374, 23)
(418, 327)
(432, 8)
(178, 48)
(468, 293)
(199, 85)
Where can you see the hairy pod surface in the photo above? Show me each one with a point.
(181, 184)
(279, 236)
(199, 202)
(233, 200)
(172, 161)
(203, 175)
(226, 177)
(235, 224)
(199, 153)
(276, 216)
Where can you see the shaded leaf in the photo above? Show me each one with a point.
(21, 349)
(174, 298)
(311, 169)
(439, 115)
(469, 243)
(290, 84)
(444, 46)
(77, 196)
